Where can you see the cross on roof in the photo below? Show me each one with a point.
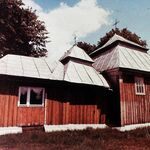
(116, 22)
(75, 39)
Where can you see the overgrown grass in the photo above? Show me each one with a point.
(89, 139)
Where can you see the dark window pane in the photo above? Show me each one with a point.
(23, 95)
(36, 96)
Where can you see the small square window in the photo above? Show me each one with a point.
(30, 96)
(139, 86)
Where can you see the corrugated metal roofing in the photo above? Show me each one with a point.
(117, 38)
(16, 65)
(80, 73)
(76, 52)
(123, 57)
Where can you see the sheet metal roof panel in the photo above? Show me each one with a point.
(80, 73)
(77, 52)
(137, 58)
(3, 67)
(129, 58)
(8, 63)
(51, 64)
(134, 59)
(43, 69)
(58, 73)
(112, 60)
(96, 78)
(123, 57)
(29, 67)
(72, 74)
(117, 38)
(107, 60)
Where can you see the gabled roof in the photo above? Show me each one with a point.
(116, 38)
(24, 66)
(78, 53)
(123, 57)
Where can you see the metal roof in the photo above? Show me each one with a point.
(123, 57)
(43, 68)
(118, 38)
(24, 66)
(80, 73)
(76, 52)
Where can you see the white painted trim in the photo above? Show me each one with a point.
(142, 85)
(52, 128)
(28, 97)
(10, 130)
(132, 127)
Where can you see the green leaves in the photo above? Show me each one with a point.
(124, 33)
(21, 31)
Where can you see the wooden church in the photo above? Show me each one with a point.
(126, 67)
(110, 86)
(36, 91)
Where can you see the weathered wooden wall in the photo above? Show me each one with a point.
(66, 113)
(63, 104)
(30, 116)
(134, 108)
(77, 107)
(11, 114)
(8, 105)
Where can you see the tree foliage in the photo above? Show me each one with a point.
(124, 33)
(87, 47)
(20, 30)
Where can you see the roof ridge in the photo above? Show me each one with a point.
(117, 37)
(78, 53)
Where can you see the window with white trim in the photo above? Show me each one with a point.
(139, 86)
(31, 96)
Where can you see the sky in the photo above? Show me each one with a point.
(89, 20)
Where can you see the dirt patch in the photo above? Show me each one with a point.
(89, 139)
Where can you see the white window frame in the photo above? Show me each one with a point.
(28, 97)
(139, 85)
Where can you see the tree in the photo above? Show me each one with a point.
(21, 32)
(124, 33)
(87, 47)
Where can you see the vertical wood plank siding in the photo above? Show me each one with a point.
(134, 108)
(73, 107)
(62, 106)
(12, 115)
(8, 105)
(72, 114)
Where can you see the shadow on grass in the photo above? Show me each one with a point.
(89, 139)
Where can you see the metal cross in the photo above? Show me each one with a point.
(75, 39)
(116, 22)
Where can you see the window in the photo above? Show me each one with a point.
(30, 96)
(139, 86)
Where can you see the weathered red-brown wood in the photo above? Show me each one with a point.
(61, 107)
(134, 108)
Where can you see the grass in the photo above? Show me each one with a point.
(89, 139)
